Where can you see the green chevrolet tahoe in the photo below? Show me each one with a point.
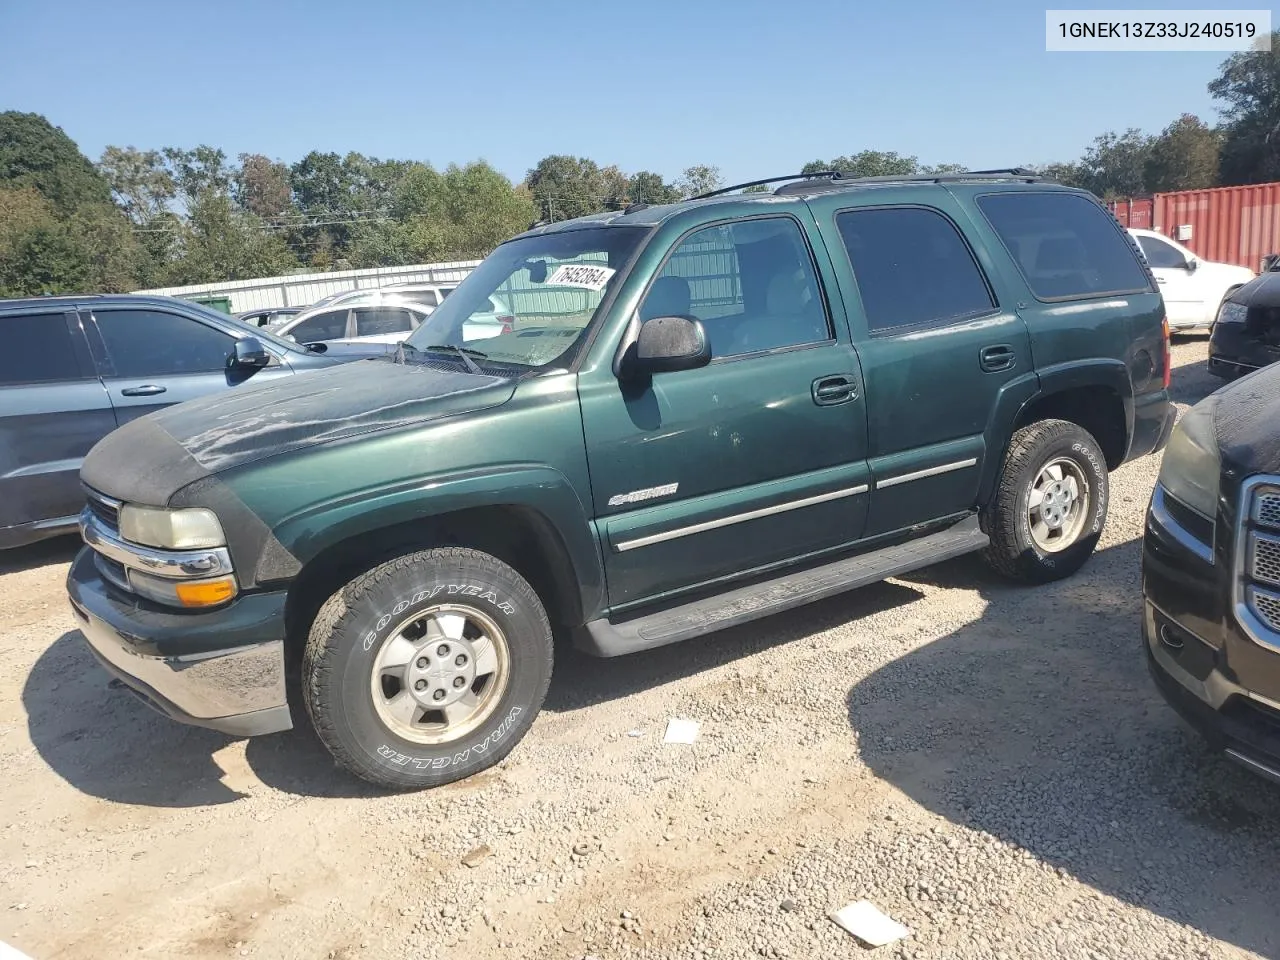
(698, 414)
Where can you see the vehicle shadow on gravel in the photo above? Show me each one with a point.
(42, 553)
(1039, 724)
(582, 681)
(107, 743)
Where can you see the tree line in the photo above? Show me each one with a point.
(159, 217)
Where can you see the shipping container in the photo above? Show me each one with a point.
(1239, 225)
(1134, 213)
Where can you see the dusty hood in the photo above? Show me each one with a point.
(148, 459)
(1247, 418)
(1263, 291)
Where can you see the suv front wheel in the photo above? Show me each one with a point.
(427, 668)
(1050, 503)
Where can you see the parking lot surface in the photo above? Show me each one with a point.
(988, 764)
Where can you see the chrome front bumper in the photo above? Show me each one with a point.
(222, 668)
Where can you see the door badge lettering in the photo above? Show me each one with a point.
(637, 496)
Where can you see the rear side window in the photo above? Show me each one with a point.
(377, 321)
(323, 326)
(1065, 245)
(912, 268)
(37, 349)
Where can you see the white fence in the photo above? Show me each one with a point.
(305, 289)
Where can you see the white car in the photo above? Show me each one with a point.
(1193, 288)
(390, 320)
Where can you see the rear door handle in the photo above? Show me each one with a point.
(998, 357)
(837, 388)
(146, 390)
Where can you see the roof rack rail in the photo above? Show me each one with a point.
(829, 174)
(1013, 173)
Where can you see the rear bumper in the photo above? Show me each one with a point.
(222, 669)
(1153, 419)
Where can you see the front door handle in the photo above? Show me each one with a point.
(996, 358)
(146, 390)
(838, 388)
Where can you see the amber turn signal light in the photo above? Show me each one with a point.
(207, 593)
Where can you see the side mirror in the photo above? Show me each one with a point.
(1192, 264)
(250, 354)
(667, 344)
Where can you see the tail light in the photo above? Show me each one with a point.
(1168, 354)
(508, 324)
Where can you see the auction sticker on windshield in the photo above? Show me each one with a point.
(586, 275)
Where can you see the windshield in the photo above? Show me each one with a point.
(531, 300)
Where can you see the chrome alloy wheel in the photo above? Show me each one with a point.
(440, 674)
(1058, 505)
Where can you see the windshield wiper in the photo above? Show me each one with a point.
(401, 347)
(464, 353)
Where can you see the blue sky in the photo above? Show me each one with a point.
(754, 88)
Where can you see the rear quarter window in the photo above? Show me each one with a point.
(37, 349)
(1066, 246)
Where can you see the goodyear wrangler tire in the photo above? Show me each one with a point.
(1050, 503)
(427, 668)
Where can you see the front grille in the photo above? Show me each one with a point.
(1258, 560)
(1266, 558)
(103, 507)
(112, 571)
(1266, 509)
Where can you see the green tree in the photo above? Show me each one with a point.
(199, 172)
(649, 187)
(942, 169)
(35, 153)
(141, 184)
(565, 187)
(218, 242)
(1067, 174)
(1115, 165)
(868, 163)
(261, 187)
(758, 188)
(1248, 84)
(1183, 157)
(700, 179)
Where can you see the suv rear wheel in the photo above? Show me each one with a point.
(427, 668)
(1050, 503)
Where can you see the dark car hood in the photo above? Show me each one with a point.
(1247, 418)
(1261, 291)
(148, 459)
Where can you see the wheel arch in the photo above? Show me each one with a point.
(531, 520)
(1097, 395)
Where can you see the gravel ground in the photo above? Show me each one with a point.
(989, 765)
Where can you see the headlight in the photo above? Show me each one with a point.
(1191, 464)
(1232, 313)
(189, 529)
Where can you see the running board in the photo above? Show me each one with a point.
(605, 639)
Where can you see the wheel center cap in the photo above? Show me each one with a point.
(442, 672)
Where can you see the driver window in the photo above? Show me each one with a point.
(751, 283)
(144, 343)
(1161, 254)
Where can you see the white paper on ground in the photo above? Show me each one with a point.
(10, 953)
(868, 924)
(680, 730)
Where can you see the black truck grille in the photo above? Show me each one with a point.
(103, 507)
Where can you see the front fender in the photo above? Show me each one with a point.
(535, 487)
